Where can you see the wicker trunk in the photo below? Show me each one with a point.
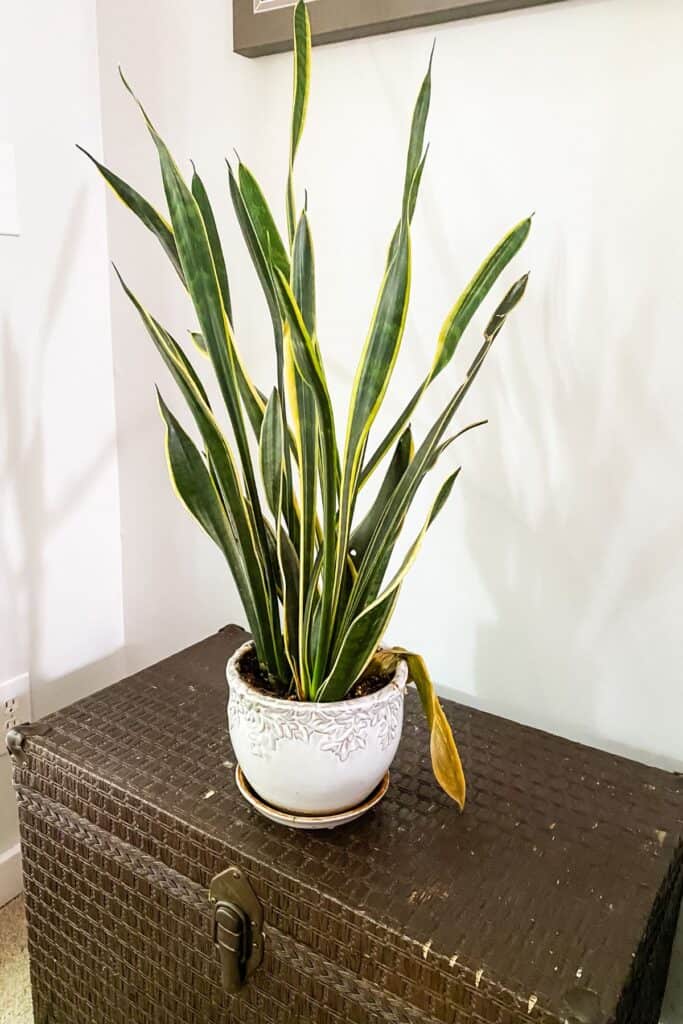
(553, 898)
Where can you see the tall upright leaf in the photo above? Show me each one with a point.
(263, 241)
(199, 269)
(240, 513)
(302, 84)
(453, 328)
(371, 570)
(262, 219)
(365, 633)
(362, 533)
(289, 567)
(416, 157)
(271, 449)
(369, 387)
(306, 430)
(196, 489)
(306, 358)
(206, 210)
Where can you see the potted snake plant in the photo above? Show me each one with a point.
(316, 702)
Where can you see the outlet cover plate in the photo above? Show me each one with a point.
(15, 706)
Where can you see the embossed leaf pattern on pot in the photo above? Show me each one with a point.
(339, 733)
(265, 729)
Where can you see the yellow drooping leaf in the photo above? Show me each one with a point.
(446, 763)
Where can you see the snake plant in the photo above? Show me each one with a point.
(279, 495)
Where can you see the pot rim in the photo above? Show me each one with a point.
(399, 682)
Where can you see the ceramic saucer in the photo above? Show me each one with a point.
(304, 821)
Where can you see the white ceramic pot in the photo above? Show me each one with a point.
(312, 758)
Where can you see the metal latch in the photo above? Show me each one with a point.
(15, 738)
(14, 741)
(237, 927)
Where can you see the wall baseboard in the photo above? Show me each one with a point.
(11, 882)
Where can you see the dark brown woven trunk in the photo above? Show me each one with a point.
(553, 898)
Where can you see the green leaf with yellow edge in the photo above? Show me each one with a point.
(302, 85)
(200, 273)
(476, 291)
(453, 329)
(259, 258)
(303, 273)
(152, 220)
(418, 127)
(362, 534)
(199, 343)
(374, 371)
(271, 453)
(196, 489)
(417, 153)
(379, 353)
(371, 381)
(262, 219)
(254, 223)
(239, 510)
(253, 399)
(365, 633)
(267, 250)
(307, 361)
(201, 196)
(199, 269)
(371, 570)
(142, 209)
(289, 567)
(177, 351)
(306, 428)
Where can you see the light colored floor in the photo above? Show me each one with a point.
(15, 990)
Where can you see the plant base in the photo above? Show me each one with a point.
(313, 759)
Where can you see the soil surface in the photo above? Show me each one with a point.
(370, 682)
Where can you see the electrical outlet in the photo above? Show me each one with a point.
(15, 706)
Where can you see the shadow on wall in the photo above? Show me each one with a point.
(585, 554)
(34, 518)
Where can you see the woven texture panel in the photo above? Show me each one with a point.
(553, 898)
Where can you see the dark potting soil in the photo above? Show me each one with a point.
(370, 682)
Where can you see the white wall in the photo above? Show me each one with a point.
(60, 554)
(551, 589)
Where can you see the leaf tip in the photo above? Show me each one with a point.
(124, 80)
(161, 406)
